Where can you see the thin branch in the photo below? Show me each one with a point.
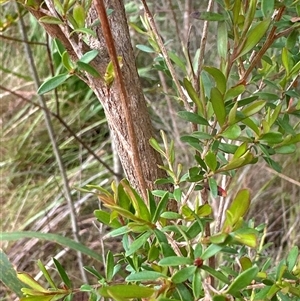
(174, 18)
(207, 232)
(202, 48)
(72, 133)
(51, 134)
(282, 176)
(136, 160)
(22, 41)
(51, 65)
(165, 55)
(269, 41)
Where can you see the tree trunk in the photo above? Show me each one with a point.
(110, 96)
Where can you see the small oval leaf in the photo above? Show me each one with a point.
(255, 34)
(242, 280)
(52, 83)
(192, 117)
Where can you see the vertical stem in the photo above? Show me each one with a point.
(211, 260)
(202, 48)
(99, 5)
(51, 134)
(165, 55)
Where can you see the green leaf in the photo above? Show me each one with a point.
(209, 16)
(253, 108)
(137, 243)
(46, 274)
(271, 138)
(109, 266)
(177, 194)
(175, 261)
(183, 274)
(145, 276)
(218, 238)
(89, 56)
(194, 142)
(267, 8)
(292, 258)
(295, 69)
(220, 276)
(219, 78)
(193, 95)
(52, 83)
(31, 282)
(62, 273)
(153, 253)
(227, 148)
(245, 101)
(210, 251)
(222, 40)
(197, 284)
(156, 146)
(273, 164)
(234, 92)
(241, 150)
(292, 39)
(50, 20)
(246, 237)
(127, 214)
(161, 207)
(79, 14)
(59, 7)
(94, 272)
(274, 115)
(84, 30)
(237, 209)
(267, 96)
(145, 48)
(291, 139)
(170, 215)
(62, 240)
(8, 275)
(88, 68)
(218, 105)
(183, 292)
(242, 280)
(252, 125)
(137, 202)
(236, 11)
(285, 149)
(200, 135)
(192, 117)
(204, 210)
(245, 263)
(232, 132)
(178, 61)
(272, 292)
(254, 35)
(66, 61)
(211, 160)
(213, 187)
(138, 29)
(105, 218)
(235, 163)
(125, 291)
(285, 60)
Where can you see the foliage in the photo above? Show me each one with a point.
(242, 108)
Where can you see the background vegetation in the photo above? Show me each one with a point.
(31, 189)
